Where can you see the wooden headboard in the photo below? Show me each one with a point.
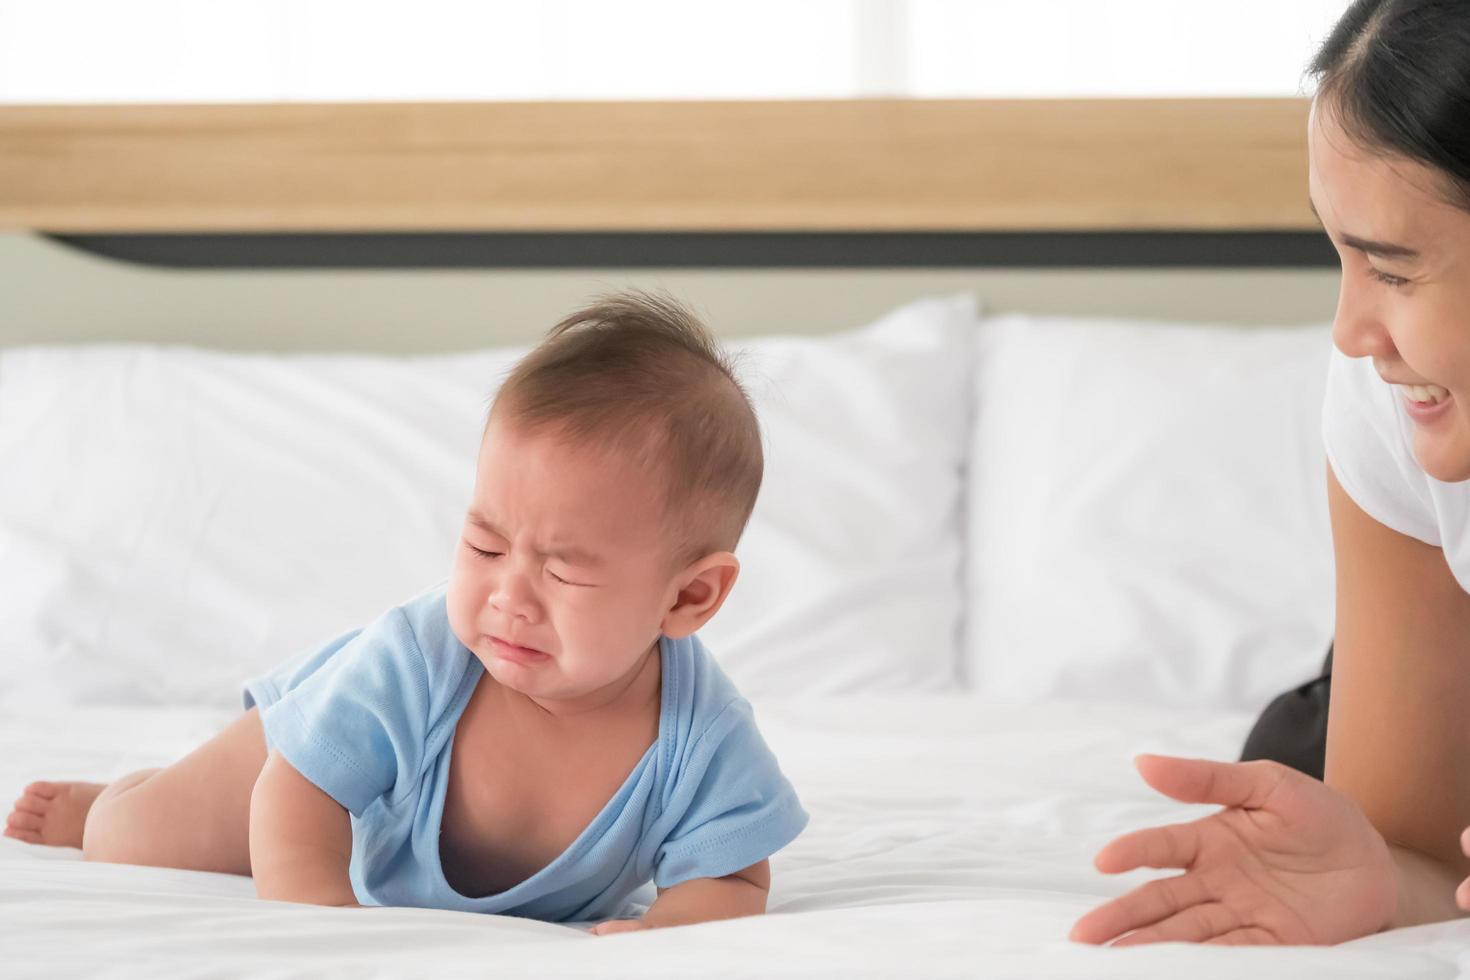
(837, 166)
(410, 228)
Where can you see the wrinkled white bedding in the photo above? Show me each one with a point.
(949, 837)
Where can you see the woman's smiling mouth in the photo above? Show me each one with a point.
(1425, 403)
(1424, 394)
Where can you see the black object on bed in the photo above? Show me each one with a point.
(1293, 728)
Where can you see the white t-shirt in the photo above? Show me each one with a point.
(1369, 440)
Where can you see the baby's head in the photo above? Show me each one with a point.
(618, 468)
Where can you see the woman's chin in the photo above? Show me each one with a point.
(1444, 455)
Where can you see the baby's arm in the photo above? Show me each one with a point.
(300, 839)
(701, 900)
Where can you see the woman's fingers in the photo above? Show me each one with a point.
(1192, 925)
(1239, 784)
(1142, 907)
(1172, 846)
(1246, 936)
(1181, 908)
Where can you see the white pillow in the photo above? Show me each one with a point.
(850, 567)
(173, 521)
(1147, 512)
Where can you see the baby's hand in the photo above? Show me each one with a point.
(618, 925)
(1462, 894)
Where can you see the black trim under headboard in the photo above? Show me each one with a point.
(561, 250)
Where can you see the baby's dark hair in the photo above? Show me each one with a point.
(637, 373)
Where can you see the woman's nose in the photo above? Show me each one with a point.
(1357, 329)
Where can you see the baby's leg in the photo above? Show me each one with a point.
(194, 814)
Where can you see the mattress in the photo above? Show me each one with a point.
(950, 836)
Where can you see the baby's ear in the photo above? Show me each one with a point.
(703, 587)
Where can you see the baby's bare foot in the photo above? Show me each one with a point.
(52, 813)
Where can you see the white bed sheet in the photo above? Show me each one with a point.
(949, 837)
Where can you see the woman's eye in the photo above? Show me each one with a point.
(1385, 278)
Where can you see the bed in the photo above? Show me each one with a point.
(946, 841)
(965, 605)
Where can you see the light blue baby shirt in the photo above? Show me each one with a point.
(370, 718)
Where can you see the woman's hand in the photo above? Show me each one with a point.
(612, 926)
(1289, 860)
(1462, 894)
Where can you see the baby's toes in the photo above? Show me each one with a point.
(23, 822)
(29, 836)
(43, 789)
(30, 803)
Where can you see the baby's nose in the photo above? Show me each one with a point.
(514, 596)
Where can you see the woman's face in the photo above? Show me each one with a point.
(1405, 294)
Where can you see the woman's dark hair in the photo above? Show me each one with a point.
(1396, 74)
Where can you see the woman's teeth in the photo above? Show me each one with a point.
(1425, 394)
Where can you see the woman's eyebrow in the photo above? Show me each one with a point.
(1385, 250)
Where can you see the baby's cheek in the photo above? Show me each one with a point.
(465, 636)
(456, 624)
(459, 605)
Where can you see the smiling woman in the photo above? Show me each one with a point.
(1402, 228)
(1289, 859)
